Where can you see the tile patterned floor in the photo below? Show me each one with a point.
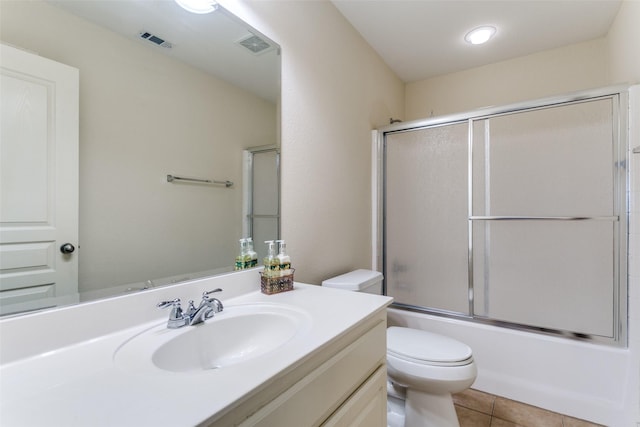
(479, 409)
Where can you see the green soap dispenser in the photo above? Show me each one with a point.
(284, 261)
(252, 255)
(271, 264)
(240, 259)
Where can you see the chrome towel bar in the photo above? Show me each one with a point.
(171, 178)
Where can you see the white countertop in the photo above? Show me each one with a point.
(79, 384)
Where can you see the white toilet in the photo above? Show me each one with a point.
(422, 367)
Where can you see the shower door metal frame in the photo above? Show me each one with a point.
(620, 103)
(249, 214)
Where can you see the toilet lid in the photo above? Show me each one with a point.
(426, 347)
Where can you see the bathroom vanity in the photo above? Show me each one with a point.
(311, 356)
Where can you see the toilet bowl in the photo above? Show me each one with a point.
(423, 368)
(431, 367)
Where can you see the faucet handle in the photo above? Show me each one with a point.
(174, 303)
(176, 317)
(205, 294)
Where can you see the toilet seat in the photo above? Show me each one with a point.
(427, 348)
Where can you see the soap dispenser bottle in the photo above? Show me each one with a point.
(284, 261)
(271, 261)
(252, 256)
(240, 259)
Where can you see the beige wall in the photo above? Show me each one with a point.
(183, 122)
(623, 43)
(609, 60)
(335, 90)
(553, 72)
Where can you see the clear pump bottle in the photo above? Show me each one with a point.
(240, 259)
(271, 264)
(252, 256)
(284, 261)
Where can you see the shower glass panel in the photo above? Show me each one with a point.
(264, 180)
(525, 166)
(548, 162)
(553, 275)
(426, 231)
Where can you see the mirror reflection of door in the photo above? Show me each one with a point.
(261, 203)
(38, 182)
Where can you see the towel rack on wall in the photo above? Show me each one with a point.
(171, 178)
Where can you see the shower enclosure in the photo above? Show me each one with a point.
(261, 196)
(512, 216)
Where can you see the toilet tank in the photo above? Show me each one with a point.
(367, 281)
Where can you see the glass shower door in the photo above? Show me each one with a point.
(426, 225)
(544, 218)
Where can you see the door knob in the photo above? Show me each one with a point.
(67, 248)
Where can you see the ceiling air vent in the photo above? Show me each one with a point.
(152, 38)
(255, 44)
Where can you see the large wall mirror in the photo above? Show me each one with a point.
(162, 91)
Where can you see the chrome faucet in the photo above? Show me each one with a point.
(194, 315)
(207, 308)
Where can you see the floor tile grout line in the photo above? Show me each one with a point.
(493, 405)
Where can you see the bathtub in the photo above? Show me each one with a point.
(593, 382)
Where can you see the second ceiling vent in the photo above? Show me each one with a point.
(255, 44)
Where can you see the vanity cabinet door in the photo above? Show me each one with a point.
(367, 407)
(335, 390)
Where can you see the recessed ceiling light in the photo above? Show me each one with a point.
(480, 35)
(198, 6)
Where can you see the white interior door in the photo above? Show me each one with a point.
(38, 181)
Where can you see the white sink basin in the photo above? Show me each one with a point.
(239, 334)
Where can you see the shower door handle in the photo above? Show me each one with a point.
(543, 218)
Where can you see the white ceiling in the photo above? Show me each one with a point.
(419, 39)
